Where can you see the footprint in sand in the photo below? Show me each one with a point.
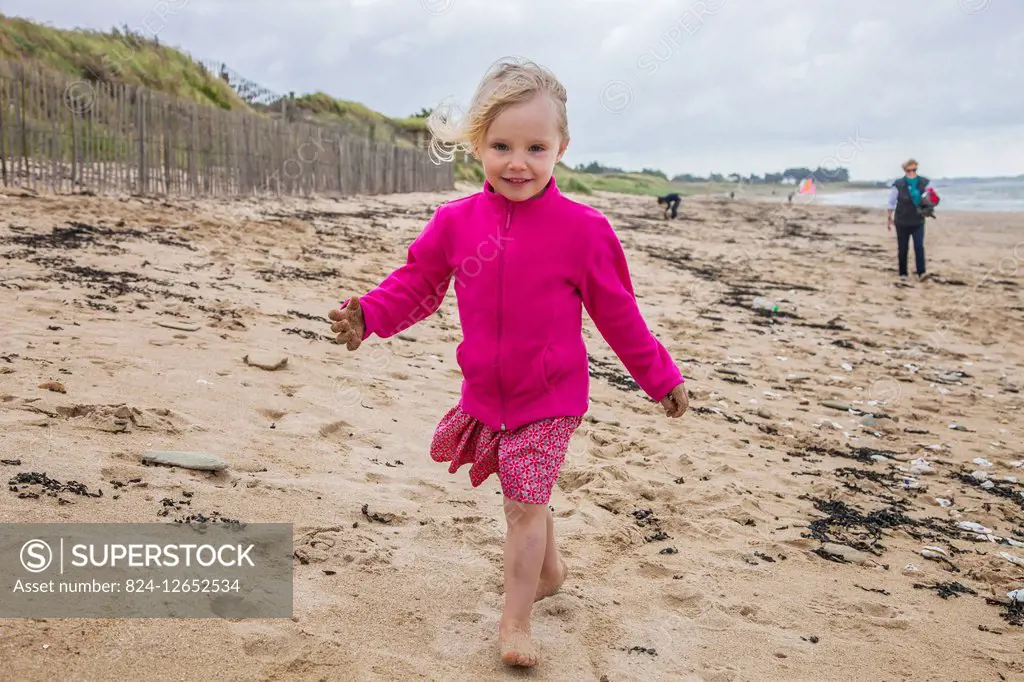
(465, 634)
(274, 415)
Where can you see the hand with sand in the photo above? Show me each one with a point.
(677, 402)
(348, 323)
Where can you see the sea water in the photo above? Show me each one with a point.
(1005, 195)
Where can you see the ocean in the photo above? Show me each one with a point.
(1004, 195)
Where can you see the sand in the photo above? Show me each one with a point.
(690, 542)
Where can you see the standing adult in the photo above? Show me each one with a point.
(906, 217)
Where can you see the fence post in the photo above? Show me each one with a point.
(140, 123)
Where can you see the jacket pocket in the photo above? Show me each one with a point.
(470, 365)
(554, 366)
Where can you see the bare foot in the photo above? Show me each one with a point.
(549, 586)
(517, 649)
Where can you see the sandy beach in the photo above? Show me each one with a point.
(773, 533)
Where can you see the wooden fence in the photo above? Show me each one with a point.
(72, 136)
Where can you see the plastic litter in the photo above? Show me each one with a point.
(934, 553)
(982, 462)
(974, 527)
(1012, 558)
(943, 502)
(921, 466)
(1016, 595)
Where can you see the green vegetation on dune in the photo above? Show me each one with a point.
(114, 57)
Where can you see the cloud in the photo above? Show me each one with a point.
(724, 85)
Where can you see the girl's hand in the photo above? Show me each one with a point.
(348, 324)
(676, 402)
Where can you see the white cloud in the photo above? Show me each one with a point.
(723, 85)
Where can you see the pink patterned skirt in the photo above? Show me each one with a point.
(527, 460)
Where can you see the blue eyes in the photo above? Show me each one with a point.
(502, 147)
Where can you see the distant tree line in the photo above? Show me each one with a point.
(792, 175)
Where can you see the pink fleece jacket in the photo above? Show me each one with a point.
(522, 274)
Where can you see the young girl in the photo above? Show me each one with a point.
(525, 261)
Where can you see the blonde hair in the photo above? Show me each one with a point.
(909, 162)
(508, 81)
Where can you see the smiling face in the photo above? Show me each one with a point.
(521, 147)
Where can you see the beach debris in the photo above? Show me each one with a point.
(921, 466)
(910, 569)
(1017, 463)
(49, 486)
(1012, 558)
(959, 427)
(1016, 596)
(832, 551)
(947, 590)
(910, 483)
(214, 517)
(266, 361)
(944, 502)
(180, 326)
(732, 376)
(981, 461)
(202, 461)
(641, 650)
(974, 527)
(836, 405)
(934, 553)
(869, 422)
(54, 386)
(387, 517)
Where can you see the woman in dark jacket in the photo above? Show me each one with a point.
(904, 214)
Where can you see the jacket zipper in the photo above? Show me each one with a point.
(501, 281)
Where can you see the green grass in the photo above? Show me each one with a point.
(114, 57)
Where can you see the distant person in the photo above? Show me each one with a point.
(524, 388)
(671, 201)
(905, 213)
(789, 199)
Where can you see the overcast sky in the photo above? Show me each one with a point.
(748, 86)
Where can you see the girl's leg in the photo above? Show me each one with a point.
(553, 570)
(525, 548)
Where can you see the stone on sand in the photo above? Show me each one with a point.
(850, 554)
(203, 461)
(836, 405)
